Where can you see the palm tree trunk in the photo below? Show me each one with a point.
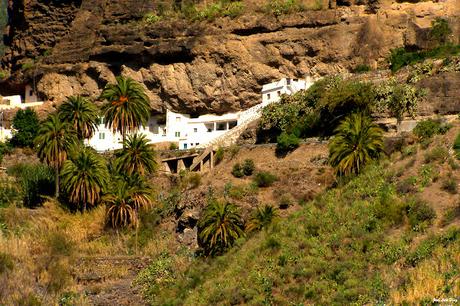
(57, 183)
(124, 138)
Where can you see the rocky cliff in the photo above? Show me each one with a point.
(72, 47)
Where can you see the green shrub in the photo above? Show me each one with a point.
(409, 151)
(189, 180)
(388, 208)
(219, 156)
(239, 192)
(401, 57)
(282, 7)
(264, 179)
(173, 146)
(28, 65)
(362, 68)
(457, 146)
(10, 193)
(59, 244)
(26, 124)
(426, 129)
(440, 31)
(152, 18)
(234, 150)
(286, 200)
(248, 167)
(436, 154)
(449, 184)
(36, 181)
(420, 214)
(6, 263)
(237, 170)
(408, 185)
(286, 143)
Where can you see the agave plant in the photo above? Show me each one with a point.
(262, 218)
(219, 227)
(357, 142)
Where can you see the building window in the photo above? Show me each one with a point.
(100, 120)
(31, 93)
(101, 136)
(197, 143)
(177, 134)
(296, 80)
(195, 130)
(177, 119)
(289, 81)
(232, 124)
(268, 96)
(185, 146)
(222, 126)
(279, 93)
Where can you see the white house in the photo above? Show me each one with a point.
(16, 101)
(190, 132)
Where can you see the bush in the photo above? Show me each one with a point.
(362, 68)
(285, 201)
(6, 263)
(401, 57)
(173, 146)
(436, 154)
(449, 184)
(25, 124)
(420, 214)
(281, 7)
(407, 186)
(189, 180)
(219, 156)
(237, 170)
(457, 146)
(36, 181)
(426, 129)
(264, 179)
(286, 143)
(248, 167)
(9, 193)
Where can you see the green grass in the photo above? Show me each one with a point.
(400, 58)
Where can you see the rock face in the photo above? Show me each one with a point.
(77, 46)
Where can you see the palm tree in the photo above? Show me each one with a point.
(85, 177)
(357, 141)
(126, 197)
(81, 114)
(135, 157)
(127, 106)
(219, 227)
(54, 142)
(262, 218)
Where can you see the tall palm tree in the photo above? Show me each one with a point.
(85, 177)
(125, 198)
(81, 114)
(262, 218)
(135, 157)
(357, 141)
(219, 227)
(54, 142)
(127, 106)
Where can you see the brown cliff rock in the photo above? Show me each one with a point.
(201, 67)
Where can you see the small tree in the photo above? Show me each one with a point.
(25, 125)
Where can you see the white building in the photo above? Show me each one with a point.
(190, 132)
